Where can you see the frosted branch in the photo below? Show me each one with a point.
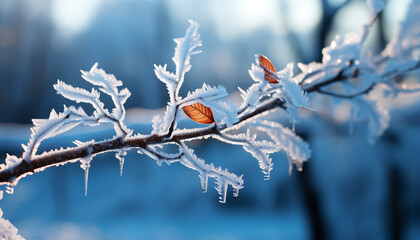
(342, 74)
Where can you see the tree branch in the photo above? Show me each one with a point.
(334, 94)
(11, 175)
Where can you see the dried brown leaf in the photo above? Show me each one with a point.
(199, 113)
(268, 67)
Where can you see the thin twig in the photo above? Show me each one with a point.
(335, 94)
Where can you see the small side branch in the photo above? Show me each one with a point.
(338, 95)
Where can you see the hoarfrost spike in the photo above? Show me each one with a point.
(120, 156)
(85, 167)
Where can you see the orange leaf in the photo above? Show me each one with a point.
(199, 113)
(268, 67)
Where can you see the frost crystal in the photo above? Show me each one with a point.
(107, 84)
(11, 161)
(7, 230)
(120, 156)
(260, 150)
(294, 147)
(342, 50)
(54, 125)
(185, 48)
(210, 97)
(223, 177)
(287, 89)
(377, 117)
(85, 162)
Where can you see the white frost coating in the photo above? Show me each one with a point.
(287, 89)
(223, 111)
(223, 177)
(185, 47)
(160, 156)
(120, 156)
(206, 92)
(257, 72)
(7, 230)
(168, 78)
(162, 126)
(294, 96)
(251, 97)
(342, 50)
(259, 89)
(78, 94)
(294, 147)
(264, 160)
(11, 160)
(108, 84)
(10, 190)
(342, 57)
(377, 117)
(156, 124)
(85, 162)
(311, 68)
(260, 150)
(54, 125)
(342, 54)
